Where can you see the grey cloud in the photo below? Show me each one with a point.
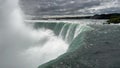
(62, 7)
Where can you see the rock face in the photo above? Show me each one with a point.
(100, 49)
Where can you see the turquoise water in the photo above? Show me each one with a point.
(71, 32)
(91, 45)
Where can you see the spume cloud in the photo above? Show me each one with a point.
(21, 46)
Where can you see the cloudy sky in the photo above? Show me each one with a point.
(70, 7)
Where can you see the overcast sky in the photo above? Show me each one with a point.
(70, 7)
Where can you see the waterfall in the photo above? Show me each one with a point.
(67, 31)
(71, 33)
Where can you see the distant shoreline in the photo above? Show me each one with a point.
(96, 16)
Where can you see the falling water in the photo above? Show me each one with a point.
(22, 46)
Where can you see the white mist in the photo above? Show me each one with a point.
(20, 45)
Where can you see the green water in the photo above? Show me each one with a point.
(90, 45)
(72, 33)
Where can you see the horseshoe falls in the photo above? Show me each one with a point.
(91, 44)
